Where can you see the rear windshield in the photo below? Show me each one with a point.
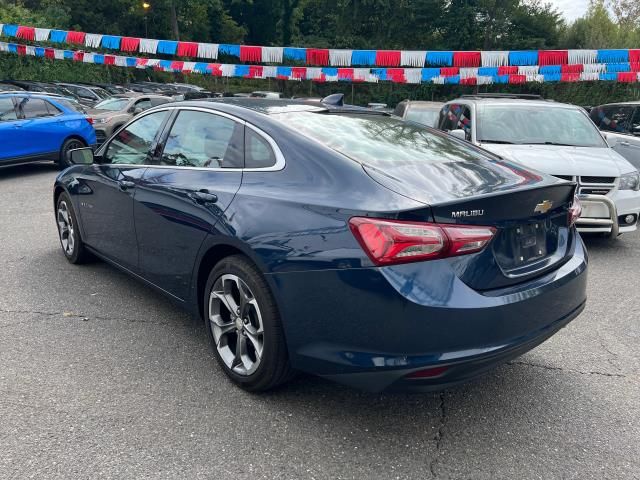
(112, 104)
(76, 107)
(423, 116)
(379, 140)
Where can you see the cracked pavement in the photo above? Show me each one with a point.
(101, 377)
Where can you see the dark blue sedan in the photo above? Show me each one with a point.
(341, 242)
(37, 127)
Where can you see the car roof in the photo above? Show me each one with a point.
(273, 106)
(512, 101)
(424, 104)
(630, 103)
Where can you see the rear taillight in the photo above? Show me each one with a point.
(90, 120)
(575, 210)
(389, 242)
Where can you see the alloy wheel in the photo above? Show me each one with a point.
(236, 324)
(65, 228)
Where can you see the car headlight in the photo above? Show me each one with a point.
(630, 181)
(101, 121)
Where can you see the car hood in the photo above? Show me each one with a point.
(102, 113)
(561, 160)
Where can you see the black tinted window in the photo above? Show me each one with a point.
(199, 139)
(635, 122)
(158, 101)
(7, 112)
(612, 118)
(258, 152)
(132, 146)
(33, 107)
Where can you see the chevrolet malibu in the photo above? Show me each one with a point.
(345, 243)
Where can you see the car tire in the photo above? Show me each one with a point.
(69, 233)
(69, 144)
(248, 344)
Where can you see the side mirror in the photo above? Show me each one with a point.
(611, 140)
(80, 156)
(458, 133)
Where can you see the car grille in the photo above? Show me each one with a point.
(591, 185)
(597, 179)
(100, 137)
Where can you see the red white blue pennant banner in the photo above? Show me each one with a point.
(325, 57)
(443, 75)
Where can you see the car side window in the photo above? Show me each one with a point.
(199, 139)
(143, 104)
(7, 110)
(258, 152)
(456, 117)
(612, 118)
(132, 146)
(635, 122)
(400, 109)
(158, 101)
(85, 93)
(53, 110)
(33, 108)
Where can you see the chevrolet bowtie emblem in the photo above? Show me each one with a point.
(543, 207)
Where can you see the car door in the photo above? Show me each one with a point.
(181, 198)
(41, 130)
(109, 189)
(629, 145)
(10, 146)
(614, 121)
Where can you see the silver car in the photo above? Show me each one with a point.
(620, 123)
(558, 139)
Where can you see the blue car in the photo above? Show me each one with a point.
(36, 127)
(340, 242)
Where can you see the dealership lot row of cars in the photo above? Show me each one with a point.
(243, 210)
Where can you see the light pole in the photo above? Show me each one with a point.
(146, 6)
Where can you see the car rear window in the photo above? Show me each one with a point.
(379, 140)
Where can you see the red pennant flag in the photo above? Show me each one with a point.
(250, 54)
(553, 57)
(627, 77)
(49, 53)
(569, 77)
(75, 37)
(109, 60)
(317, 56)
(78, 56)
(26, 33)
(577, 68)
(449, 71)
(517, 79)
(466, 59)
(396, 75)
(129, 44)
(511, 70)
(177, 66)
(255, 71)
(187, 49)
(388, 58)
(301, 72)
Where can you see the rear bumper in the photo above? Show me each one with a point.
(371, 327)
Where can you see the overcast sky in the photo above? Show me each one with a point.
(571, 9)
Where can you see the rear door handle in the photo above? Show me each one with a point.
(203, 196)
(126, 185)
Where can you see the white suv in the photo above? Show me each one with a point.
(557, 139)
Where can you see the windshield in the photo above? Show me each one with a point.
(423, 116)
(536, 125)
(112, 104)
(101, 92)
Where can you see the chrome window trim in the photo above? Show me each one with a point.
(280, 160)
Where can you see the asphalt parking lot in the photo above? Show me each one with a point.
(101, 377)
